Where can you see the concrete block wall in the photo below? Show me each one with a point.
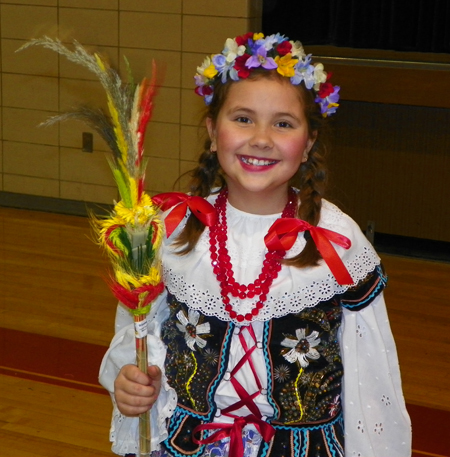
(38, 83)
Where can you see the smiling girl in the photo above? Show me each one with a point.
(272, 334)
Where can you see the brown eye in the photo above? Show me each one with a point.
(283, 124)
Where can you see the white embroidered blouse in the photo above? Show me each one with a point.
(375, 417)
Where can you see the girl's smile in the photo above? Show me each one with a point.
(255, 163)
(261, 136)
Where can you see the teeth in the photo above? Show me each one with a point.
(257, 162)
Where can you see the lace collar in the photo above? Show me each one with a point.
(191, 280)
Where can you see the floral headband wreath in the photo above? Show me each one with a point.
(252, 50)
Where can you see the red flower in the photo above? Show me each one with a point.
(242, 40)
(239, 65)
(203, 90)
(284, 48)
(325, 90)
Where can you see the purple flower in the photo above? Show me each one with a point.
(260, 59)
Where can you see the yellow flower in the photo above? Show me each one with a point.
(286, 65)
(258, 36)
(141, 214)
(210, 72)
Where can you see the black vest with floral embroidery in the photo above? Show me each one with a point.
(305, 399)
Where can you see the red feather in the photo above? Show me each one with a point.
(148, 89)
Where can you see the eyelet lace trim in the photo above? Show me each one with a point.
(191, 280)
(209, 302)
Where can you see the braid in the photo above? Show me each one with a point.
(204, 178)
(311, 179)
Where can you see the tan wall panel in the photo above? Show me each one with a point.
(36, 160)
(192, 108)
(32, 2)
(152, 6)
(25, 22)
(88, 192)
(30, 185)
(28, 91)
(235, 8)
(162, 140)
(85, 167)
(23, 125)
(164, 179)
(150, 31)
(192, 141)
(89, 26)
(196, 28)
(97, 4)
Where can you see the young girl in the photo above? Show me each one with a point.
(273, 332)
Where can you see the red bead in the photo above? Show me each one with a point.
(223, 269)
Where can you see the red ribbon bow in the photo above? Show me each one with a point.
(283, 233)
(201, 208)
(234, 431)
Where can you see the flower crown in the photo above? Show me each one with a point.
(252, 50)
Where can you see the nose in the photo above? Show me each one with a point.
(261, 138)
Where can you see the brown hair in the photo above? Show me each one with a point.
(310, 178)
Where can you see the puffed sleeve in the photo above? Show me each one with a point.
(376, 421)
(124, 431)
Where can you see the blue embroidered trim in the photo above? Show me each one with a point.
(330, 443)
(380, 286)
(297, 439)
(226, 344)
(304, 441)
(269, 370)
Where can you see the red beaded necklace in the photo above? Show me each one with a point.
(221, 262)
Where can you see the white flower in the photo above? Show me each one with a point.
(232, 50)
(206, 63)
(302, 347)
(297, 49)
(188, 326)
(320, 76)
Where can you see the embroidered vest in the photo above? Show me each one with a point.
(304, 369)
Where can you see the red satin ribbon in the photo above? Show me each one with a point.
(283, 233)
(234, 431)
(201, 208)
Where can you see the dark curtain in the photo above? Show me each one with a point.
(400, 25)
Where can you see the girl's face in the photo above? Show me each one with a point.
(261, 137)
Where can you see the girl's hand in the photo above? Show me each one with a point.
(135, 392)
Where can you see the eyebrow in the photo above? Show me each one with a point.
(250, 111)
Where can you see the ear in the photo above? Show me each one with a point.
(309, 145)
(211, 133)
